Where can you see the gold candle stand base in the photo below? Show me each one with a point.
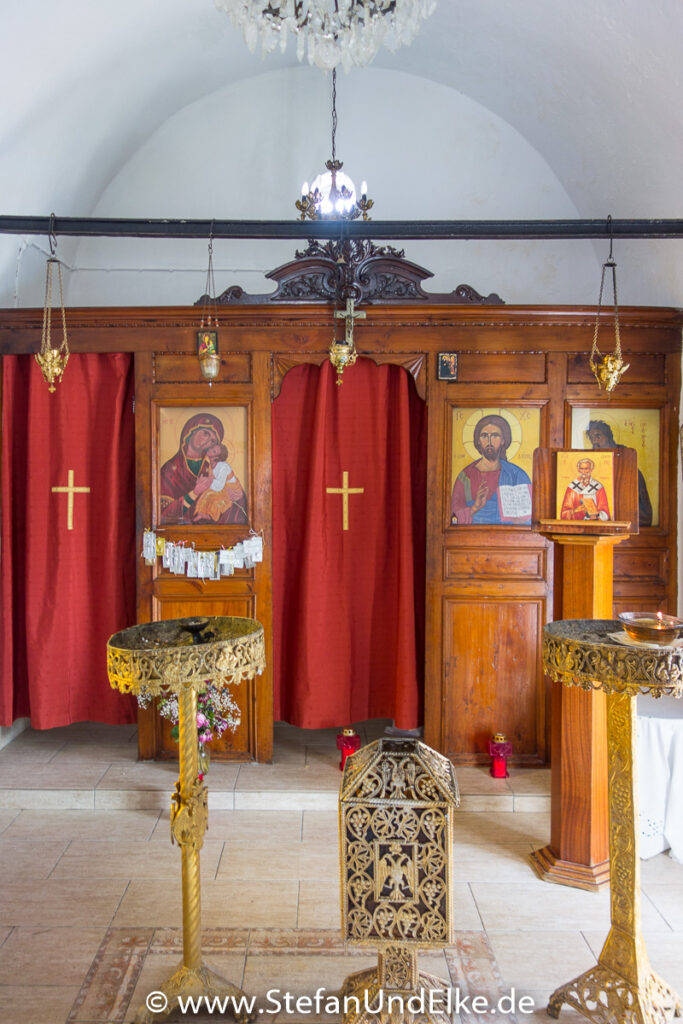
(622, 988)
(195, 982)
(604, 995)
(393, 1006)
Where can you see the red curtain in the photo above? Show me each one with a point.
(64, 592)
(348, 605)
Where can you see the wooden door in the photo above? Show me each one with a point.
(489, 587)
(169, 394)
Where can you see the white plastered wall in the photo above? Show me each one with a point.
(242, 152)
(427, 151)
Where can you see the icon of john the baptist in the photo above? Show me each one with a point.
(193, 470)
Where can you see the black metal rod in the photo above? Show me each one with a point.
(375, 229)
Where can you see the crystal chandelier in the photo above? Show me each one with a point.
(345, 32)
(333, 194)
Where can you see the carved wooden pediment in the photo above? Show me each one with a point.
(336, 270)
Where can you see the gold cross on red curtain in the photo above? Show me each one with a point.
(345, 490)
(70, 490)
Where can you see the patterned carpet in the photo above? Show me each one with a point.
(132, 962)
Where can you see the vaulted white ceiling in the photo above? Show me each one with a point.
(593, 87)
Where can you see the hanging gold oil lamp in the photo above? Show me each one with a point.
(52, 361)
(207, 335)
(608, 369)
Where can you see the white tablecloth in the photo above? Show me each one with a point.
(660, 775)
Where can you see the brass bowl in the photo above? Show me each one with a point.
(651, 628)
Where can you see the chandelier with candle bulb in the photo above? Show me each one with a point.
(332, 194)
(331, 32)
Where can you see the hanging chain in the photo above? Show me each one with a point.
(46, 333)
(52, 361)
(334, 114)
(209, 310)
(595, 351)
(608, 369)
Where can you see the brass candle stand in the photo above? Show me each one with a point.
(584, 652)
(179, 657)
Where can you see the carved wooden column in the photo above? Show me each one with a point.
(578, 852)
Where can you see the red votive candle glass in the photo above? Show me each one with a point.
(499, 751)
(348, 741)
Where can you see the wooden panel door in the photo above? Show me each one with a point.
(491, 663)
(169, 391)
(489, 587)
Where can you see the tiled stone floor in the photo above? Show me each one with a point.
(90, 894)
(88, 766)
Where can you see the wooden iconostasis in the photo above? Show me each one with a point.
(489, 586)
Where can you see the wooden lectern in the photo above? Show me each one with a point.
(578, 852)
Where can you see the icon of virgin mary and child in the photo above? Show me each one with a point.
(198, 484)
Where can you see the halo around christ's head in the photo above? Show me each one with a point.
(473, 419)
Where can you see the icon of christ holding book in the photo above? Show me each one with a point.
(491, 490)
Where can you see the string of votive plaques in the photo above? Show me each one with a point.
(183, 559)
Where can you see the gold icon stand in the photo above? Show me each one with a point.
(396, 853)
(622, 986)
(179, 657)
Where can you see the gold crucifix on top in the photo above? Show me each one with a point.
(343, 353)
(345, 490)
(349, 315)
(70, 490)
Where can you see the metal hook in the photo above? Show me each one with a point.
(213, 224)
(52, 237)
(610, 258)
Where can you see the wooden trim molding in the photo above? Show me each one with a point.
(414, 363)
(334, 270)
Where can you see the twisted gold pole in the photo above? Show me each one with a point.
(189, 817)
(192, 908)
